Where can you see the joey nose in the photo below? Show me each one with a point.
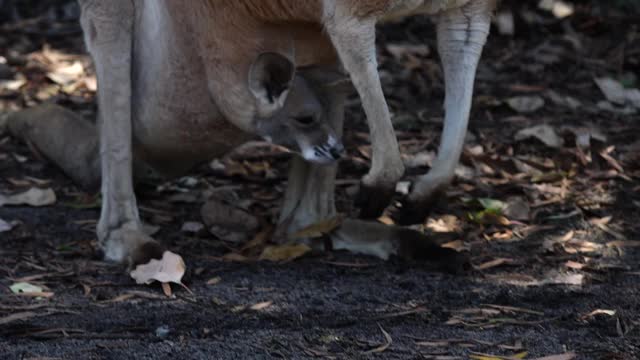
(337, 151)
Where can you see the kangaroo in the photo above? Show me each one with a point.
(219, 40)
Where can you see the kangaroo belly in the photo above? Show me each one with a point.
(176, 123)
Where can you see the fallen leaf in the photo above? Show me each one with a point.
(544, 133)
(214, 280)
(387, 342)
(526, 104)
(25, 287)
(66, 75)
(574, 265)
(494, 263)
(564, 279)
(598, 312)
(235, 257)
(560, 9)
(166, 289)
(480, 356)
(286, 252)
(318, 229)
(261, 306)
(192, 227)
(5, 226)
(616, 93)
(259, 240)
(457, 245)
(17, 317)
(566, 356)
(398, 51)
(492, 204)
(624, 243)
(12, 85)
(505, 22)
(170, 268)
(32, 197)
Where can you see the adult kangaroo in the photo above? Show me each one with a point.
(181, 81)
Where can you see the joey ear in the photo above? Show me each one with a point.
(270, 78)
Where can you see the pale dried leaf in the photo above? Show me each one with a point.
(32, 197)
(170, 268)
(544, 133)
(505, 22)
(526, 104)
(5, 226)
(598, 312)
(616, 93)
(192, 227)
(382, 348)
(25, 287)
(66, 75)
(214, 280)
(261, 306)
(564, 279)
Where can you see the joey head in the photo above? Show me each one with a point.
(301, 125)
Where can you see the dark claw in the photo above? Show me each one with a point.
(415, 212)
(372, 201)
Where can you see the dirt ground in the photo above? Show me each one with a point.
(551, 222)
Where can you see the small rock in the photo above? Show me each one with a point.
(163, 331)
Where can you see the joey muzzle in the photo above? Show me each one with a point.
(326, 153)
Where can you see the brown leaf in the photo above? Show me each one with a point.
(235, 257)
(166, 289)
(624, 243)
(494, 263)
(286, 252)
(319, 229)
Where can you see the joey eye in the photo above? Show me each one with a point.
(304, 120)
